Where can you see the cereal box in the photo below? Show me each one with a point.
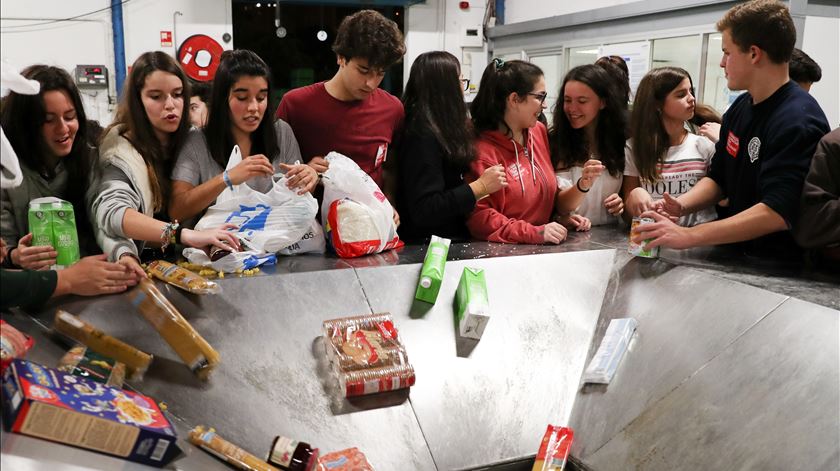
(46, 403)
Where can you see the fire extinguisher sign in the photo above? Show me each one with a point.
(166, 39)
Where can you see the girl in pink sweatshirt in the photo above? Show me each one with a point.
(505, 114)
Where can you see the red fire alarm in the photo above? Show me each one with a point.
(464, 5)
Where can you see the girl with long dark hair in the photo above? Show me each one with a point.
(47, 132)
(240, 98)
(136, 155)
(664, 159)
(587, 137)
(436, 151)
(505, 115)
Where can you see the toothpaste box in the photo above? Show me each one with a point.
(473, 307)
(47, 403)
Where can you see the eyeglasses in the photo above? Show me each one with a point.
(539, 96)
(465, 83)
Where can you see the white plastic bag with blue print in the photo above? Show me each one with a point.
(231, 262)
(267, 222)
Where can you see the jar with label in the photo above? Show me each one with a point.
(291, 455)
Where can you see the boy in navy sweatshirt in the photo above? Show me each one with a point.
(767, 139)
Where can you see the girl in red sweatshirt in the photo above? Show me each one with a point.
(505, 113)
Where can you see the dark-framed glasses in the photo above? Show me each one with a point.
(539, 96)
(465, 84)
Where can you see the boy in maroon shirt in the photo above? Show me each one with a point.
(349, 113)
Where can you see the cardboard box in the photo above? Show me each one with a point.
(472, 303)
(46, 403)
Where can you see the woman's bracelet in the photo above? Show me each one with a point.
(581, 189)
(168, 234)
(226, 178)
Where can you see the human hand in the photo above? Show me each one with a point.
(220, 237)
(39, 257)
(3, 250)
(253, 166)
(493, 179)
(663, 232)
(592, 169)
(319, 163)
(614, 204)
(711, 131)
(94, 275)
(300, 177)
(132, 266)
(669, 206)
(396, 218)
(638, 201)
(553, 233)
(575, 221)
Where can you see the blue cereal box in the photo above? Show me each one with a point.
(49, 404)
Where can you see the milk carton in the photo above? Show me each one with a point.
(53, 222)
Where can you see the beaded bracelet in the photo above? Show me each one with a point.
(167, 234)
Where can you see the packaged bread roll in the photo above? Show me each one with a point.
(199, 356)
(136, 361)
(182, 278)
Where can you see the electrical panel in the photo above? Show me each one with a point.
(91, 77)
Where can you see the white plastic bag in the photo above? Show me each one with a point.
(311, 242)
(357, 217)
(231, 262)
(268, 222)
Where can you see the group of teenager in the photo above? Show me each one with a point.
(495, 173)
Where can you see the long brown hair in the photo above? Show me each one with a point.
(498, 81)
(135, 126)
(648, 136)
(434, 104)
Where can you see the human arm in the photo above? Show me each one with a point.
(756, 221)
(710, 130)
(568, 199)
(704, 194)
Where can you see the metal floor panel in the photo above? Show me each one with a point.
(488, 401)
(768, 401)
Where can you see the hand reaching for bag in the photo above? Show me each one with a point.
(254, 166)
(320, 164)
(300, 177)
(220, 237)
(94, 275)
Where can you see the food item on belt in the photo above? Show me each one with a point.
(199, 356)
(431, 275)
(350, 459)
(367, 354)
(80, 361)
(136, 361)
(218, 252)
(209, 441)
(641, 250)
(182, 278)
(53, 222)
(292, 455)
(473, 305)
(554, 449)
(13, 344)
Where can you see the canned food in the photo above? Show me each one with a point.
(641, 250)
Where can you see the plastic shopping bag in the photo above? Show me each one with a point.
(268, 222)
(231, 262)
(357, 217)
(311, 242)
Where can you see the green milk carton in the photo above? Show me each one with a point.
(473, 306)
(431, 275)
(53, 222)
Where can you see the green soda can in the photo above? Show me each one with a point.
(472, 303)
(431, 275)
(52, 221)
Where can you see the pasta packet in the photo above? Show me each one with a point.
(182, 278)
(199, 356)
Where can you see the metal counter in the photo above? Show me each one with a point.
(716, 366)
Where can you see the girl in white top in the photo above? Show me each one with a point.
(587, 137)
(664, 160)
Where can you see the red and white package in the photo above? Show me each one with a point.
(13, 344)
(358, 219)
(350, 459)
(554, 449)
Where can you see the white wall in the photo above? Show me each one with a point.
(438, 25)
(89, 40)
(821, 41)
(517, 11)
